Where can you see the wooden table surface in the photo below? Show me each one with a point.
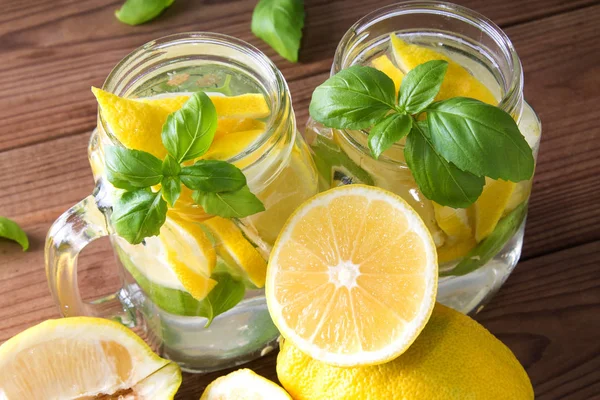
(548, 312)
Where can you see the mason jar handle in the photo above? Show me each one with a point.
(71, 232)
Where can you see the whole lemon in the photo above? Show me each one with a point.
(453, 358)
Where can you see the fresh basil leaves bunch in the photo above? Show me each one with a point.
(451, 145)
(219, 187)
(279, 23)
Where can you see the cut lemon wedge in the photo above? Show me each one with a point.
(453, 221)
(458, 82)
(385, 65)
(490, 206)
(237, 251)
(244, 384)
(352, 278)
(81, 357)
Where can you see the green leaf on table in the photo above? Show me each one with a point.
(491, 245)
(189, 131)
(279, 23)
(213, 176)
(480, 138)
(354, 98)
(9, 229)
(138, 214)
(387, 132)
(237, 204)
(224, 296)
(171, 189)
(135, 12)
(438, 179)
(420, 86)
(170, 167)
(131, 169)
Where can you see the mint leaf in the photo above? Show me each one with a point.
(189, 131)
(138, 214)
(213, 176)
(387, 132)
(420, 86)
(280, 23)
(171, 189)
(135, 12)
(236, 204)
(438, 179)
(131, 169)
(170, 167)
(224, 296)
(354, 98)
(10, 230)
(491, 245)
(480, 138)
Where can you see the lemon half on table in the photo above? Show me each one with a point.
(83, 358)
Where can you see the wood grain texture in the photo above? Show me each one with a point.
(53, 51)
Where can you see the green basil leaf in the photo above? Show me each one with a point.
(131, 169)
(438, 179)
(491, 245)
(236, 204)
(139, 214)
(224, 296)
(420, 85)
(354, 98)
(279, 23)
(387, 132)
(189, 131)
(171, 189)
(213, 176)
(10, 230)
(170, 167)
(135, 12)
(480, 138)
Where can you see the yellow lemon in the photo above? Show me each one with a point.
(454, 358)
(81, 357)
(453, 221)
(490, 206)
(385, 65)
(237, 251)
(244, 384)
(352, 277)
(455, 249)
(458, 82)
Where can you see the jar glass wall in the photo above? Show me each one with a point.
(472, 268)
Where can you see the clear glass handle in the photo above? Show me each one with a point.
(71, 232)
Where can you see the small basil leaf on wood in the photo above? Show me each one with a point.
(224, 296)
(9, 229)
(279, 23)
(420, 86)
(213, 176)
(131, 169)
(189, 131)
(480, 138)
(135, 12)
(171, 189)
(438, 179)
(354, 98)
(491, 245)
(237, 204)
(387, 132)
(138, 214)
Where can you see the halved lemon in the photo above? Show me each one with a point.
(457, 82)
(80, 358)
(244, 384)
(352, 278)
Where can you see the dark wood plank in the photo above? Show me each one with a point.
(78, 43)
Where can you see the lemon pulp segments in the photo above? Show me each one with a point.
(352, 278)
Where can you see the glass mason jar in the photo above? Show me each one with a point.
(153, 301)
(472, 268)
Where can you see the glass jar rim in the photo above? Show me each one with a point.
(280, 101)
(513, 94)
